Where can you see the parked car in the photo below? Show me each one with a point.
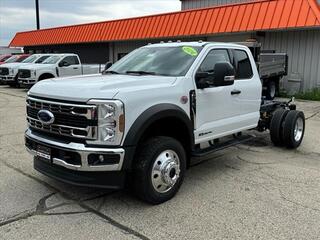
(143, 119)
(9, 71)
(17, 58)
(4, 57)
(59, 65)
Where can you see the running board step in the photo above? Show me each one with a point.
(220, 146)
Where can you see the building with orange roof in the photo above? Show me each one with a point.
(290, 26)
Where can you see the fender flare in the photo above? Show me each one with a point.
(46, 73)
(153, 114)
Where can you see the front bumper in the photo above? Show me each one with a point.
(27, 81)
(7, 78)
(109, 180)
(62, 164)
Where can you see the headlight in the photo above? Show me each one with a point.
(110, 122)
(11, 71)
(33, 73)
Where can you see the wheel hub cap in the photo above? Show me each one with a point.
(165, 171)
(298, 130)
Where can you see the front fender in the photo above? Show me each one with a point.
(145, 120)
(153, 114)
(40, 73)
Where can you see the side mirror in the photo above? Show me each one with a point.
(224, 74)
(108, 65)
(64, 64)
(204, 79)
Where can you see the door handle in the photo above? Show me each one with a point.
(235, 92)
(75, 68)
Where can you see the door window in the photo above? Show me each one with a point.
(243, 65)
(213, 57)
(71, 60)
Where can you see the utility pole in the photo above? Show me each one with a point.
(37, 14)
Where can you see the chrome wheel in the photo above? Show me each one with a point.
(165, 171)
(298, 129)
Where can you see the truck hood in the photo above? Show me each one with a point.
(96, 86)
(13, 65)
(37, 66)
(22, 66)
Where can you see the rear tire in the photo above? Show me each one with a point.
(276, 126)
(159, 171)
(293, 129)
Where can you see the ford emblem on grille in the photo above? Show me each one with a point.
(46, 117)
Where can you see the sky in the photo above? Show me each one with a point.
(19, 15)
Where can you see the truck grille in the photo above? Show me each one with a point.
(24, 73)
(4, 71)
(73, 120)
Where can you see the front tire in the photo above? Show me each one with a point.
(15, 83)
(160, 169)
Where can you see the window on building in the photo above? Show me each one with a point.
(121, 55)
(243, 65)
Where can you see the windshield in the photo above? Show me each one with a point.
(30, 59)
(3, 58)
(21, 58)
(11, 59)
(167, 61)
(41, 59)
(52, 60)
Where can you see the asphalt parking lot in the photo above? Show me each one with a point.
(252, 191)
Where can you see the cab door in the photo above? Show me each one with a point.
(69, 66)
(222, 110)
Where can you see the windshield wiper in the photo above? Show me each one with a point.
(111, 72)
(141, 72)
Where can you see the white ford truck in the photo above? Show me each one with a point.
(142, 120)
(59, 65)
(9, 71)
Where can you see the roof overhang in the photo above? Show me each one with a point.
(263, 15)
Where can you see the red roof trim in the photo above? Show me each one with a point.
(250, 16)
